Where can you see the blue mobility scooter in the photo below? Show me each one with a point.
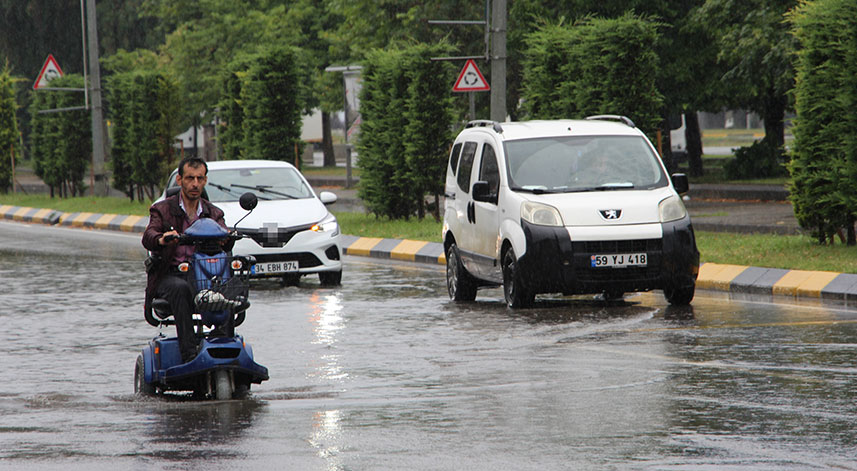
(223, 367)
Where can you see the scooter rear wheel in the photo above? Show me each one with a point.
(222, 385)
(140, 384)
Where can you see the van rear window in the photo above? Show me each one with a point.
(465, 167)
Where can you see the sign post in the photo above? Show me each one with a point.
(471, 80)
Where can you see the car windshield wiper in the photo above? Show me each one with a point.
(604, 187)
(537, 190)
(265, 189)
(223, 188)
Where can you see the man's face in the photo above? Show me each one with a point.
(192, 181)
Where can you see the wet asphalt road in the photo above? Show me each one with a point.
(386, 373)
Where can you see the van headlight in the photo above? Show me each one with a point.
(327, 224)
(540, 214)
(671, 209)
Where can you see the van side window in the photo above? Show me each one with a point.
(466, 165)
(453, 157)
(488, 169)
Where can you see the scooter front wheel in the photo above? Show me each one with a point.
(222, 385)
(140, 384)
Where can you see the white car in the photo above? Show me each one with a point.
(291, 233)
(565, 206)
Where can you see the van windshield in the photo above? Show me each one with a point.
(582, 163)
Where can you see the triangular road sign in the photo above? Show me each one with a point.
(470, 79)
(50, 71)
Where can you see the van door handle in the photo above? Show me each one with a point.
(471, 212)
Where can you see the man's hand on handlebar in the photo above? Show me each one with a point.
(169, 238)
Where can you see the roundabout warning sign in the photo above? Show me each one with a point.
(471, 79)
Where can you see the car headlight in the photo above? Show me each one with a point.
(327, 224)
(671, 209)
(540, 214)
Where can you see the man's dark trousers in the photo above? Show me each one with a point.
(176, 289)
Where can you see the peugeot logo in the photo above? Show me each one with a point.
(610, 214)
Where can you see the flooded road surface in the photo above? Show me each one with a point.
(386, 373)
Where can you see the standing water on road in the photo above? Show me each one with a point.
(386, 373)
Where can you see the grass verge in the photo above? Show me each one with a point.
(760, 250)
(91, 204)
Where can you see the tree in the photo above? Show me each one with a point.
(61, 142)
(824, 163)
(145, 118)
(403, 143)
(273, 98)
(606, 64)
(754, 48)
(8, 127)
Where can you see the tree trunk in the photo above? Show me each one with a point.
(851, 235)
(327, 141)
(693, 137)
(775, 113)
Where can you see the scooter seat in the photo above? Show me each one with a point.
(162, 308)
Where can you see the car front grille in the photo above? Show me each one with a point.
(274, 236)
(618, 246)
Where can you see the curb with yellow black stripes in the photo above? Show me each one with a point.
(802, 284)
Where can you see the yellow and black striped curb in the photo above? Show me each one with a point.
(801, 284)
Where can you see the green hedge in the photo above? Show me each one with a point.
(144, 112)
(824, 162)
(264, 97)
(596, 66)
(8, 127)
(406, 110)
(61, 142)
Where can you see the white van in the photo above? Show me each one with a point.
(566, 206)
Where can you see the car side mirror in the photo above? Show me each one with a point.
(327, 197)
(680, 183)
(482, 192)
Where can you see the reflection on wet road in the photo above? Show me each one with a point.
(386, 373)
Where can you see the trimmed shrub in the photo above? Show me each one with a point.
(759, 160)
(406, 110)
(8, 127)
(61, 141)
(596, 66)
(824, 163)
(264, 97)
(145, 114)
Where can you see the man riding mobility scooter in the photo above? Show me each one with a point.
(223, 367)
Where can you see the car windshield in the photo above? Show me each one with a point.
(582, 163)
(226, 185)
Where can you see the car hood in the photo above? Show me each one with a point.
(283, 213)
(585, 209)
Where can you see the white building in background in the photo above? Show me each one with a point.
(204, 136)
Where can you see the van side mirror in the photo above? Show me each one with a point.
(680, 183)
(482, 192)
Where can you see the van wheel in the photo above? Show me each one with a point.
(680, 296)
(516, 294)
(459, 283)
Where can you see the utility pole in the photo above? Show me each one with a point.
(97, 113)
(498, 60)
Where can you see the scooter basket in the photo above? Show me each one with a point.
(223, 295)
